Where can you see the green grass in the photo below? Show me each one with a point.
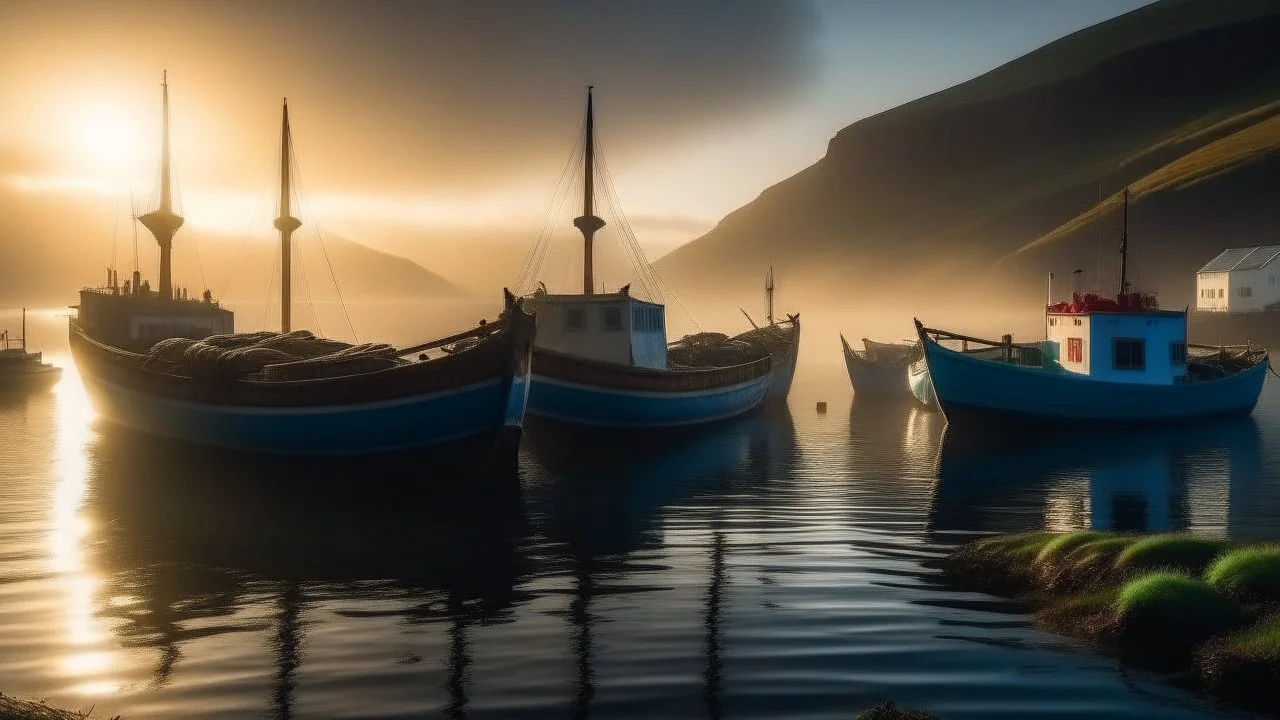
(1187, 553)
(890, 711)
(1163, 616)
(1064, 544)
(1021, 545)
(1250, 574)
(1243, 666)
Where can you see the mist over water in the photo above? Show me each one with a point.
(778, 566)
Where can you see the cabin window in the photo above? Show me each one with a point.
(1128, 354)
(645, 318)
(611, 317)
(1075, 350)
(574, 318)
(1076, 321)
(1178, 353)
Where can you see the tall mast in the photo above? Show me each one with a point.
(768, 293)
(1124, 246)
(286, 223)
(24, 329)
(163, 222)
(588, 223)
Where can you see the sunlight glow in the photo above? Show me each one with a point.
(87, 660)
(108, 136)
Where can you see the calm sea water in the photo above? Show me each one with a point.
(780, 566)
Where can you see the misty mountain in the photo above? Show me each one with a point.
(933, 196)
(51, 246)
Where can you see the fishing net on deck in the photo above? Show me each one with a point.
(1206, 363)
(296, 355)
(708, 349)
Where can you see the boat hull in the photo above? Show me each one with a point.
(590, 393)
(920, 384)
(784, 367)
(45, 377)
(970, 389)
(477, 394)
(873, 378)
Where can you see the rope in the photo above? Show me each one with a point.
(271, 281)
(296, 249)
(535, 258)
(298, 193)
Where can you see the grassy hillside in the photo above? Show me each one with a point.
(928, 197)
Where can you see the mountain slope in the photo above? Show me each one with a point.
(931, 194)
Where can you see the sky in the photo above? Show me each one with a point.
(426, 128)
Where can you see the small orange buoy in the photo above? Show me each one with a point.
(822, 408)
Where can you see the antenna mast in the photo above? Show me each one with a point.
(1124, 247)
(163, 222)
(588, 223)
(286, 223)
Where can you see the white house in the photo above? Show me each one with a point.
(1239, 280)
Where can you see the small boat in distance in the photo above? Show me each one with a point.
(602, 360)
(20, 369)
(878, 369)
(170, 366)
(1104, 361)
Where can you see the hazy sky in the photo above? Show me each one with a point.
(431, 118)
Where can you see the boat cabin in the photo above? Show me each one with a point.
(137, 320)
(614, 328)
(1123, 345)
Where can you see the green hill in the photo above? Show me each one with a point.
(930, 197)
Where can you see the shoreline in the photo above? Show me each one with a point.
(1194, 608)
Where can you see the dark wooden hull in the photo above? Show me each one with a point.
(478, 392)
(600, 394)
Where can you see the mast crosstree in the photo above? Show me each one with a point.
(163, 222)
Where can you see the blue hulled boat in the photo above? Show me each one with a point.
(168, 365)
(603, 360)
(1104, 361)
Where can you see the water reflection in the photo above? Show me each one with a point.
(1147, 480)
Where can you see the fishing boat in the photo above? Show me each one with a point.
(20, 369)
(879, 368)
(1121, 360)
(603, 360)
(172, 366)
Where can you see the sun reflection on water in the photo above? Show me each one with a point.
(89, 660)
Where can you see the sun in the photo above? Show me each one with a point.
(108, 136)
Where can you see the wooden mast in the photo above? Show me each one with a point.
(24, 329)
(163, 222)
(768, 292)
(1124, 247)
(588, 223)
(286, 223)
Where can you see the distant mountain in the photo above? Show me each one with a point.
(1182, 96)
(48, 252)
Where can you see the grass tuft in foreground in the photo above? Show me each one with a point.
(15, 709)
(1250, 574)
(1173, 602)
(890, 711)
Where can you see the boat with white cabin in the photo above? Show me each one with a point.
(1122, 360)
(603, 360)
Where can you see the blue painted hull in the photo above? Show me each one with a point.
(968, 387)
(415, 422)
(599, 406)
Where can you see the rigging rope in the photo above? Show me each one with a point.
(536, 256)
(296, 249)
(271, 281)
(298, 193)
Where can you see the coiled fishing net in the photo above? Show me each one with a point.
(296, 355)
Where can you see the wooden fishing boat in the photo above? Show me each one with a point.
(1104, 361)
(879, 369)
(168, 365)
(603, 360)
(22, 370)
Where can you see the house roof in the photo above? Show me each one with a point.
(1250, 258)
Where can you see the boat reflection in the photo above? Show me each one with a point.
(898, 436)
(191, 538)
(1144, 480)
(601, 498)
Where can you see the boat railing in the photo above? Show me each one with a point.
(1024, 354)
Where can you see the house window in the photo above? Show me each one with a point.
(1128, 354)
(1243, 291)
(1221, 292)
(611, 317)
(1271, 279)
(1075, 350)
(574, 318)
(1178, 353)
